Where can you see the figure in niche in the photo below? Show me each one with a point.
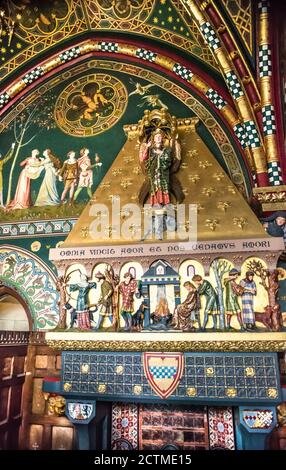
(188, 311)
(247, 297)
(69, 173)
(159, 161)
(105, 301)
(32, 168)
(48, 193)
(128, 288)
(82, 305)
(4, 160)
(275, 224)
(232, 292)
(205, 288)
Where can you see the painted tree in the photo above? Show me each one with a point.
(35, 118)
(220, 267)
(268, 280)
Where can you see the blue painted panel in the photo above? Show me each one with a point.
(111, 375)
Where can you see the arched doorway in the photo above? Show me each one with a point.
(14, 312)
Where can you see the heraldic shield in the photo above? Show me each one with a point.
(163, 371)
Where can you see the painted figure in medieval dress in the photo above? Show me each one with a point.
(104, 303)
(69, 173)
(232, 292)
(127, 289)
(157, 160)
(275, 224)
(205, 288)
(32, 167)
(188, 311)
(82, 306)
(85, 173)
(48, 193)
(4, 160)
(247, 297)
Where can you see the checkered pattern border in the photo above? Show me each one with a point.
(108, 46)
(146, 55)
(254, 178)
(33, 75)
(4, 99)
(264, 60)
(210, 36)
(161, 372)
(252, 136)
(240, 134)
(183, 72)
(215, 98)
(268, 119)
(234, 85)
(275, 174)
(263, 6)
(69, 54)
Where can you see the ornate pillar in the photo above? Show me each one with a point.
(268, 112)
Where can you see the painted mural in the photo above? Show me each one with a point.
(57, 149)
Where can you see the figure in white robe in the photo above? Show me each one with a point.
(48, 193)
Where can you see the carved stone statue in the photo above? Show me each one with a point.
(160, 159)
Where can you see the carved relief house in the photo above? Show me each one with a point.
(142, 225)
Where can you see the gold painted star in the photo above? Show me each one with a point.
(163, 2)
(170, 19)
(155, 20)
(3, 50)
(18, 45)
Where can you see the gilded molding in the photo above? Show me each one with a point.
(169, 346)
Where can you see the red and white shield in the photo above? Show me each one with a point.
(163, 371)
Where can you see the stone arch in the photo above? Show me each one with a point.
(8, 291)
(28, 278)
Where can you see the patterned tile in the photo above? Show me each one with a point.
(221, 431)
(124, 432)
(121, 375)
